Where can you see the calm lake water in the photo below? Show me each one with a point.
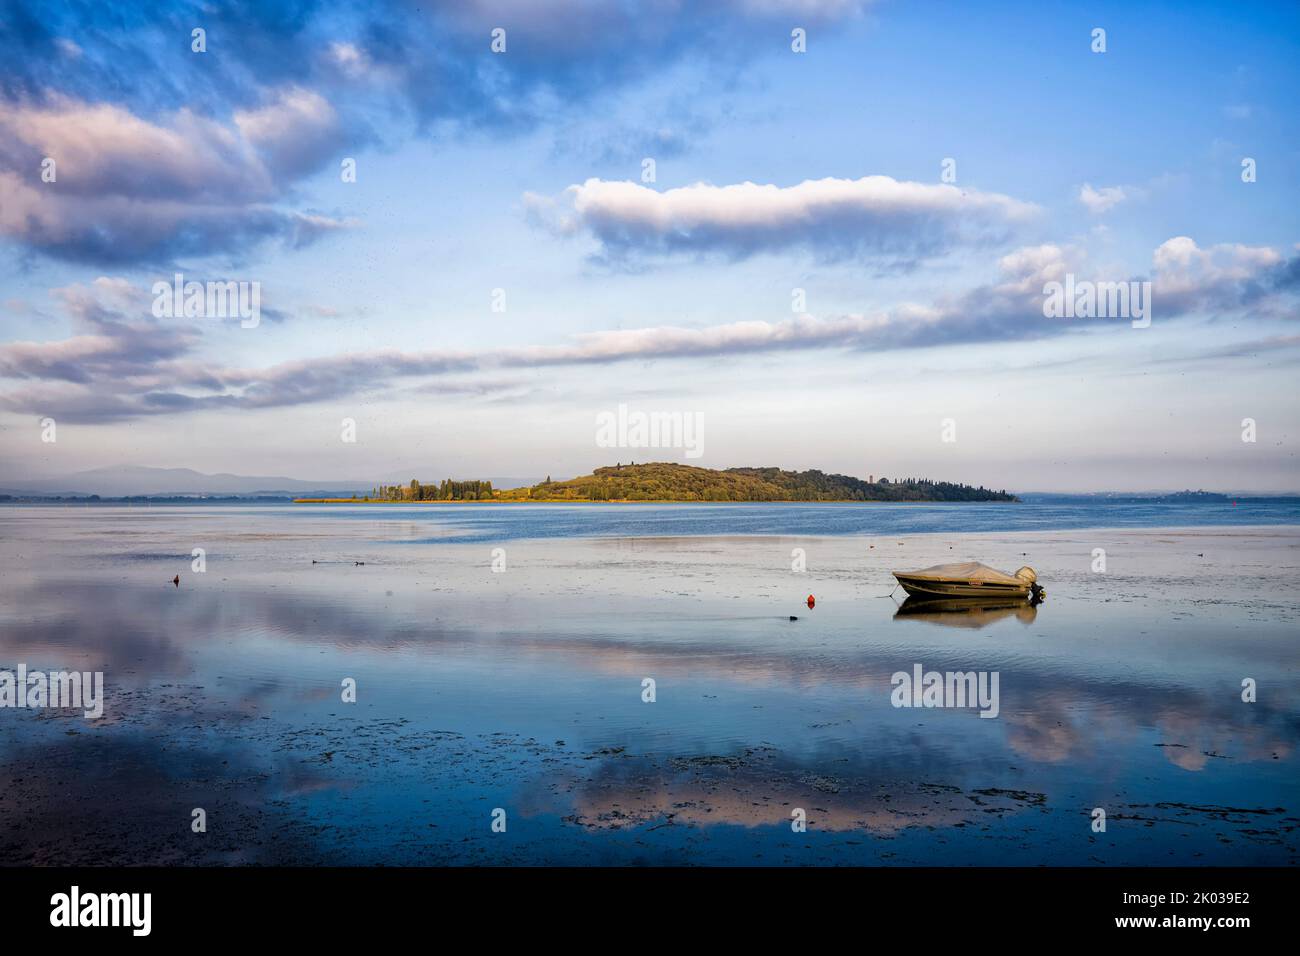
(520, 688)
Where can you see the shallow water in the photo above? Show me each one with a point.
(521, 689)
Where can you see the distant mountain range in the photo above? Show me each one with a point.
(142, 481)
(1173, 497)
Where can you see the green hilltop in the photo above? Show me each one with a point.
(671, 481)
(667, 481)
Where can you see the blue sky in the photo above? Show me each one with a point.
(522, 171)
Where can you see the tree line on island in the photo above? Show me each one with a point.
(667, 481)
(447, 490)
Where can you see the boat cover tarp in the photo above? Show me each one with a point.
(965, 571)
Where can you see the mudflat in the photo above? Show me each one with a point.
(501, 678)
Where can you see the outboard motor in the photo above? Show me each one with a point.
(1030, 577)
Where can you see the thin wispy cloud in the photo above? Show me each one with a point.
(150, 367)
(430, 59)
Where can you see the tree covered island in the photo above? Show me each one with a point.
(667, 481)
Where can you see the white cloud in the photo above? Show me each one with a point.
(835, 218)
(1027, 269)
(127, 188)
(349, 58)
(1191, 278)
(292, 131)
(1101, 200)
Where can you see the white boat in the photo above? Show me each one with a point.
(969, 579)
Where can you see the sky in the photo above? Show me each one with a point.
(825, 229)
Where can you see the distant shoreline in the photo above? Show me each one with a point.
(196, 500)
(626, 501)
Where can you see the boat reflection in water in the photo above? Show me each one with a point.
(967, 612)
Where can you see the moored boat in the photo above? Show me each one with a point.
(969, 579)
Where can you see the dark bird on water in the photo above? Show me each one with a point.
(177, 580)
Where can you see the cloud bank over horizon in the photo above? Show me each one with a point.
(122, 366)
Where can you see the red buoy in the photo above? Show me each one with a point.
(812, 602)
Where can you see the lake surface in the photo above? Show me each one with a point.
(520, 689)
